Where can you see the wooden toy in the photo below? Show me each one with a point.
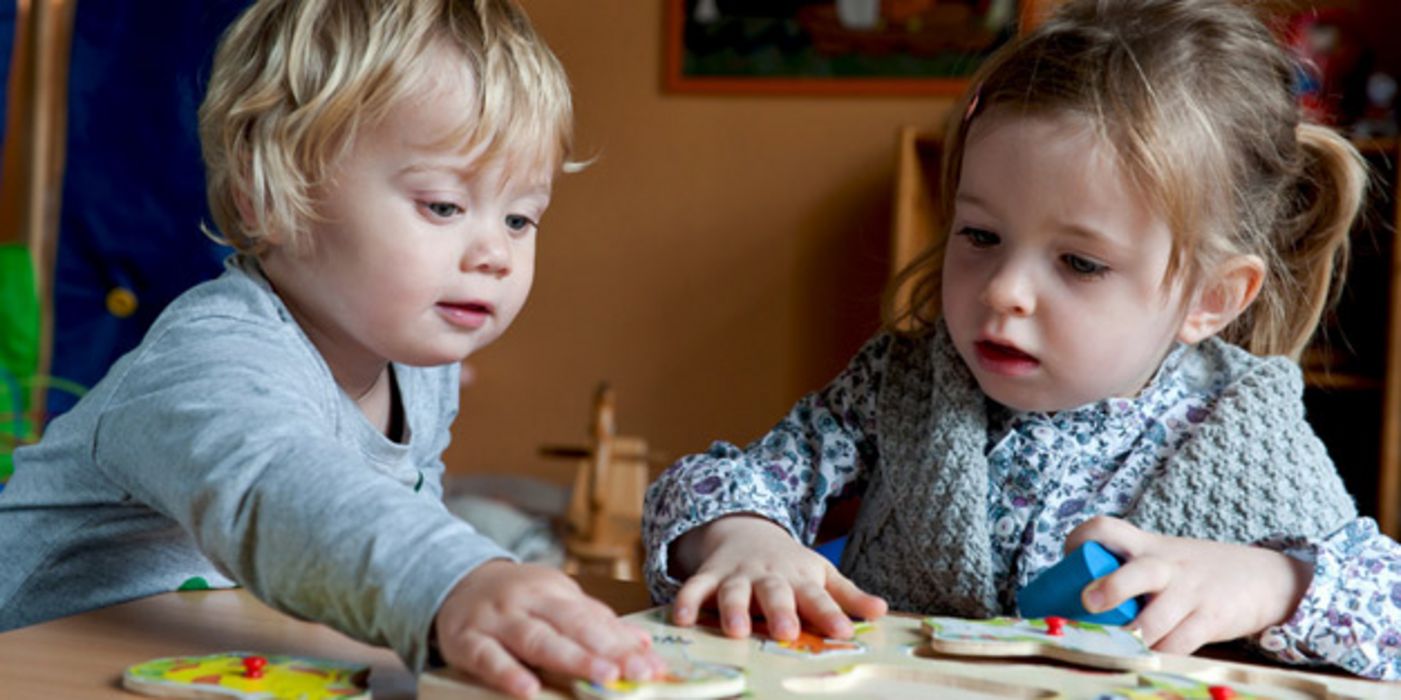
(1057, 590)
(247, 676)
(1085, 643)
(893, 658)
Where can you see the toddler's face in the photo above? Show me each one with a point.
(425, 255)
(1053, 278)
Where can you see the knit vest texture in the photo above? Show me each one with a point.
(1252, 470)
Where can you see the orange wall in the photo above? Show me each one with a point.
(723, 255)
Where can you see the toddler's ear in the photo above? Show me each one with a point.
(1224, 295)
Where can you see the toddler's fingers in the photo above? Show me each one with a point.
(852, 599)
(775, 598)
(1188, 636)
(1114, 534)
(817, 605)
(485, 658)
(1146, 575)
(537, 643)
(599, 631)
(693, 593)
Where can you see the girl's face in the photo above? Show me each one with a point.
(1053, 281)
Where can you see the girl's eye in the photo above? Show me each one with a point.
(1084, 267)
(979, 237)
(516, 222)
(442, 210)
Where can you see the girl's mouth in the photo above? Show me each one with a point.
(1004, 359)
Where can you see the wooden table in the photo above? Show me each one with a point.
(83, 656)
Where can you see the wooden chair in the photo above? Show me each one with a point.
(603, 527)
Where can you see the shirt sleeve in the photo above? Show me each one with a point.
(1350, 617)
(820, 448)
(234, 441)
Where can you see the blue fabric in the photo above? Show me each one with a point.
(9, 10)
(832, 550)
(133, 188)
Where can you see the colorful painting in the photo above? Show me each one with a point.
(835, 46)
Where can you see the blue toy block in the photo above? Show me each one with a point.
(1057, 590)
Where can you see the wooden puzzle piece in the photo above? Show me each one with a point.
(809, 645)
(248, 676)
(1085, 643)
(684, 680)
(806, 645)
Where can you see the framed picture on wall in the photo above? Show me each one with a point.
(835, 47)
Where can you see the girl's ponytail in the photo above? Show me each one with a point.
(1311, 244)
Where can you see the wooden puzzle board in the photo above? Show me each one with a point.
(896, 664)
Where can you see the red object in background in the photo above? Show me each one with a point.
(253, 666)
(1328, 45)
(1055, 626)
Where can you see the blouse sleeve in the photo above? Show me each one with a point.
(1350, 617)
(818, 451)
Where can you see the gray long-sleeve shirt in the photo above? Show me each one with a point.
(222, 448)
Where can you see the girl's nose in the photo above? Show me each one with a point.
(1010, 292)
(488, 252)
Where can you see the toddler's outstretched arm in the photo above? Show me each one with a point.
(1330, 602)
(740, 560)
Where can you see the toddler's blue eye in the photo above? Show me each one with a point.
(516, 222)
(1082, 266)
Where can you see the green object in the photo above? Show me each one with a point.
(194, 583)
(19, 349)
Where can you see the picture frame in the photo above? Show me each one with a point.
(835, 47)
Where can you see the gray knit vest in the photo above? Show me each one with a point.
(1254, 469)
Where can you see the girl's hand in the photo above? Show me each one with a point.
(747, 560)
(504, 616)
(1201, 591)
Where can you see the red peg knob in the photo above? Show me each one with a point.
(253, 666)
(1055, 626)
(1221, 692)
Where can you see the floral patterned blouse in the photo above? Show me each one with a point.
(1048, 474)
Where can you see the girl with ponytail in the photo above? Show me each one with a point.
(1141, 235)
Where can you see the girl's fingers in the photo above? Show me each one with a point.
(817, 605)
(1188, 636)
(693, 593)
(1114, 534)
(852, 599)
(734, 599)
(482, 656)
(1160, 616)
(775, 599)
(1146, 575)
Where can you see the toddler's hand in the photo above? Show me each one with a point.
(1202, 591)
(504, 616)
(745, 560)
